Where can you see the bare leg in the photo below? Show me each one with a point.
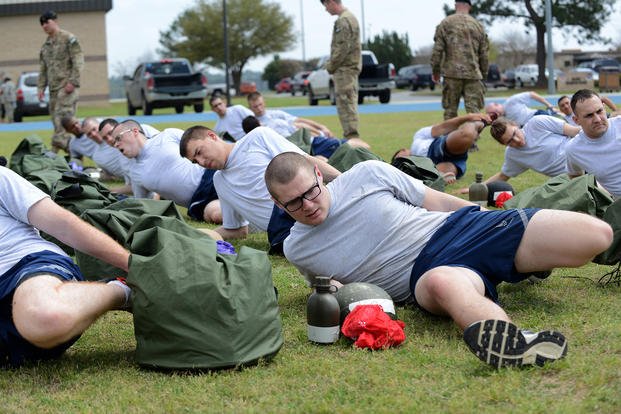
(212, 212)
(48, 312)
(459, 141)
(457, 292)
(448, 170)
(555, 238)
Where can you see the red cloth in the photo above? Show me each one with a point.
(502, 197)
(372, 328)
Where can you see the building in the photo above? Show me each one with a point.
(21, 38)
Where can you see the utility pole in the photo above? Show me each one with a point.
(364, 38)
(226, 53)
(550, 48)
(302, 35)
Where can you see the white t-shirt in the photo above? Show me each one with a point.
(240, 185)
(17, 237)
(599, 156)
(421, 141)
(543, 152)
(160, 168)
(82, 146)
(149, 131)
(232, 121)
(112, 161)
(374, 231)
(570, 119)
(279, 121)
(517, 109)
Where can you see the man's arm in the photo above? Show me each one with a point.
(51, 218)
(329, 172)
(228, 234)
(536, 97)
(315, 127)
(611, 105)
(452, 124)
(42, 81)
(438, 201)
(570, 130)
(499, 176)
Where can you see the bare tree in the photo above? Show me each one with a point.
(515, 48)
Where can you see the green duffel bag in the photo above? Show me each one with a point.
(562, 193)
(195, 308)
(421, 168)
(44, 180)
(32, 155)
(302, 137)
(78, 192)
(115, 220)
(612, 216)
(347, 156)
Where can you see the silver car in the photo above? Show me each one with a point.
(28, 103)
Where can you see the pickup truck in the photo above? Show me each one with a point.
(374, 80)
(165, 83)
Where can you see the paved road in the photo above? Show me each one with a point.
(403, 101)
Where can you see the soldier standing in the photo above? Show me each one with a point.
(345, 65)
(460, 55)
(61, 61)
(8, 98)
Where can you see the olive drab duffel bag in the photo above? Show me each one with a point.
(32, 155)
(421, 168)
(195, 308)
(115, 220)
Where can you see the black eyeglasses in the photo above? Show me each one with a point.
(310, 194)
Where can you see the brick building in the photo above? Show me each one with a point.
(21, 38)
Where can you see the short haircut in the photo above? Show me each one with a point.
(108, 121)
(561, 98)
(214, 97)
(66, 121)
(253, 96)
(48, 15)
(191, 134)
(249, 123)
(581, 95)
(131, 123)
(283, 169)
(90, 119)
(499, 127)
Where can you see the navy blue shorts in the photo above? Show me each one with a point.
(325, 146)
(437, 153)
(483, 241)
(204, 194)
(14, 349)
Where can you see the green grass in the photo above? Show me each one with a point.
(431, 372)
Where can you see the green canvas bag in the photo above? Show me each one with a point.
(302, 137)
(612, 216)
(421, 168)
(347, 156)
(78, 192)
(562, 193)
(44, 180)
(32, 155)
(195, 308)
(115, 220)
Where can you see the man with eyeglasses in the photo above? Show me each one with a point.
(539, 146)
(158, 168)
(244, 199)
(377, 224)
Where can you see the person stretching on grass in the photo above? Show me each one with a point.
(375, 224)
(45, 305)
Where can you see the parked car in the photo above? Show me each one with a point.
(247, 87)
(596, 64)
(590, 73)
(508, 78)
(375, 79)
(284, 85)
(300, 82)
(494, 77)
(28, 103)
(415, 77)
(165, 83)
(526, 75)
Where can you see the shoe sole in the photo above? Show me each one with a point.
(501, 344)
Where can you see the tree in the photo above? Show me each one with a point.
(255, 28)
(280, 68)
(514, 47)
(391, 48)
(583, 20)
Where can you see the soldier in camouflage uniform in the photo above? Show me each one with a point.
(460, 55)
(8, 98)
(61, 61)
(345, 65)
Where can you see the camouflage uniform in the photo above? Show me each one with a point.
(8, 99)
(345, 65)
(460, 54)
(61, 61)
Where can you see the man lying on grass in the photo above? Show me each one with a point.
(376, 224)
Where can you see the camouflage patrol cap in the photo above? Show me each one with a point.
(463, 1)
(48, 15)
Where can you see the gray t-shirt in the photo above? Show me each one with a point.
(232, 121)
(82, 146)
(373, 233)
(517, 109)
(543, 152)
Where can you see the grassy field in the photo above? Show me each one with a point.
(432, 372)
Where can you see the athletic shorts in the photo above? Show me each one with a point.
(14, 349)
(437, 153)
(483, 241)
(204, 194)
(325, 146)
